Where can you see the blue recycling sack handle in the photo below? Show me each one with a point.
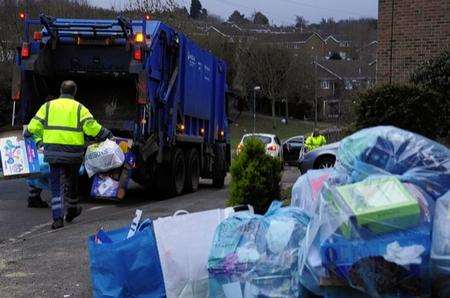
(144, 224)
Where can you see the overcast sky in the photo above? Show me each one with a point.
(283, 12)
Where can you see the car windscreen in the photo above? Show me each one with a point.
(264, 139)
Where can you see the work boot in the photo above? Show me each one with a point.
(36, 202)
(57, 223)
(72, 213)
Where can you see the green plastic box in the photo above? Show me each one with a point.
(380, 204)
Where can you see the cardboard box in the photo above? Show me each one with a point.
(381, 204)
(104, 186)
(19, 157)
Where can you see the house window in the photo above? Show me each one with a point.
(348, 85)
(325, 84)
(296, 46)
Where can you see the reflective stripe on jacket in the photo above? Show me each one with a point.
(61, 125)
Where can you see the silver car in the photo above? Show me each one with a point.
(320, 158)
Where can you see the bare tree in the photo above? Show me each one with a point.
(268, 67)
(301, 22)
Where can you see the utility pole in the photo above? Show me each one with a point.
(287, 109)
(256, 88)
(315, 94)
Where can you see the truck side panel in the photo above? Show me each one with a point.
(202, 89)
(197, 74)
(220, 89)
(197, 99)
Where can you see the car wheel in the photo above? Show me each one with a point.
(325, 162)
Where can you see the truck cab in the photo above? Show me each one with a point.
(141, 79)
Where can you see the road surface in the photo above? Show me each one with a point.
(38, 262)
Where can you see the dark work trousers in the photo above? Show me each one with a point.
(34, 192)
(63, 185)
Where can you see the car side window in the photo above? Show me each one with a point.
(296, 141)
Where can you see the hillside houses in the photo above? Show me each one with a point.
(342, 68)
(316, 45)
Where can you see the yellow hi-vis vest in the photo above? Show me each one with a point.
(312, 142)
(61, 125)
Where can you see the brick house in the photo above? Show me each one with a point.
(409, 33)
(337, 80)
(309, 43)
(368, 53)
(341, 46)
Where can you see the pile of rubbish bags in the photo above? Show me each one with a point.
(228, 252)
(376, 225)
(372, 217)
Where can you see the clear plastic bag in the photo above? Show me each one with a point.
(440, 251)
(390, 150)
(103, 157)
(257, 256)
(306, 190)
(373, 236)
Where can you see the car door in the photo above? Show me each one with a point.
(293, 148)
(280, 150)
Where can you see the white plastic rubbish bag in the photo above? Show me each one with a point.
(184, 242)
(103, 157)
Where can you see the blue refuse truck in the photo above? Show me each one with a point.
(144, 81)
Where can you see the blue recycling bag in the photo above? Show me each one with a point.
(126, 267)
(42, 182)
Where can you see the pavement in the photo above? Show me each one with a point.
(38, 262)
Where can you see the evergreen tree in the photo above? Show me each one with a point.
(260, 19)
(196, 9)
(237, 18)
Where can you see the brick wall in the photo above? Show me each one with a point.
(314, 47)
(421, 30)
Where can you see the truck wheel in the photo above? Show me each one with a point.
(219, 171)
(178, 172)
(192, 170)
